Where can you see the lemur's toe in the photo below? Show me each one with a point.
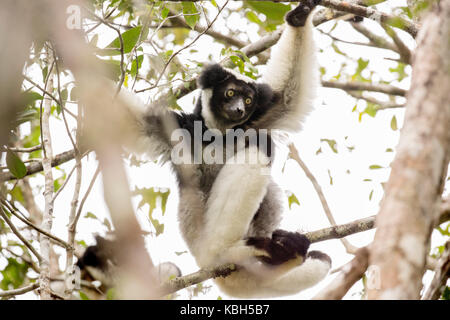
(320, 256)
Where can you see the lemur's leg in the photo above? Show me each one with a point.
(293, 70)
(233, 201)
(314, 269)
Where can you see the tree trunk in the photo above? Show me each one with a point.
(410, 206)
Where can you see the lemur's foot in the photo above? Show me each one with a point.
(282, 247)
(319, 255)
(298, 16)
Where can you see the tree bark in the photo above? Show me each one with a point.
(410, 207)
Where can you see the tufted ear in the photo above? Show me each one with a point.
(212, 75)
(265, 94)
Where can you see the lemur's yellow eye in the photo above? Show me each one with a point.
(229, 93)
(248, 101)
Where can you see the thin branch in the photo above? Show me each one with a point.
(370, 13)
(362, 86)
(403, 49)
(441, 275)
(17, 233)
(73, 224)
(61, 102)
(183, 48)
(366, 44)
(122, 65)
(72, 216)
(358, 8)
(25, 257)
(180, 23)
(295, 156)
(22, 150)
(16, 292)
(381, 104)
(375, 39)
(37, 167)
(47, 217)
(65, 183)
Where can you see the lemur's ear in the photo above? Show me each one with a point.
(212, 75)
(265, 94)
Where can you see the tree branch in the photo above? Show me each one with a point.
(37, 167)
(336, 232)
(358, 8)
(441, 274)
(15, 292)
(381, 104)
(17, 233)
(59, 241)
(47, 217)
(362, 86)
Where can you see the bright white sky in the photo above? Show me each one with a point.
(348, 196)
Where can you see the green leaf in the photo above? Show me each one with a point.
(400, 70)
(17, 195)
(129, 37)
(110, 68)
(135, 66)
(330, 177)
(111, 294)
(82, 243)
(90, 215)
(362, 64)
(190, 12)
(107, 224)
(446, 293)
(165, 13)
(74, 94)
(331, 143)
(252, 17)
(274, 12)
(159, 227)
(371, 195)
(375, 166)
(292, 199)
(31, 97)
(64, 95)
(15, 165)
(83, 295)
(44, 73)
(13, 274)
(370, 110)
(394, 123)
(319, 151)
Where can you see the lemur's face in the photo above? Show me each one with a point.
(234, 100)
(230, 99)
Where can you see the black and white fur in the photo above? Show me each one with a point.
(229, 213)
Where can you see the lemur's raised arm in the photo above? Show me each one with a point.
(292, 71)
